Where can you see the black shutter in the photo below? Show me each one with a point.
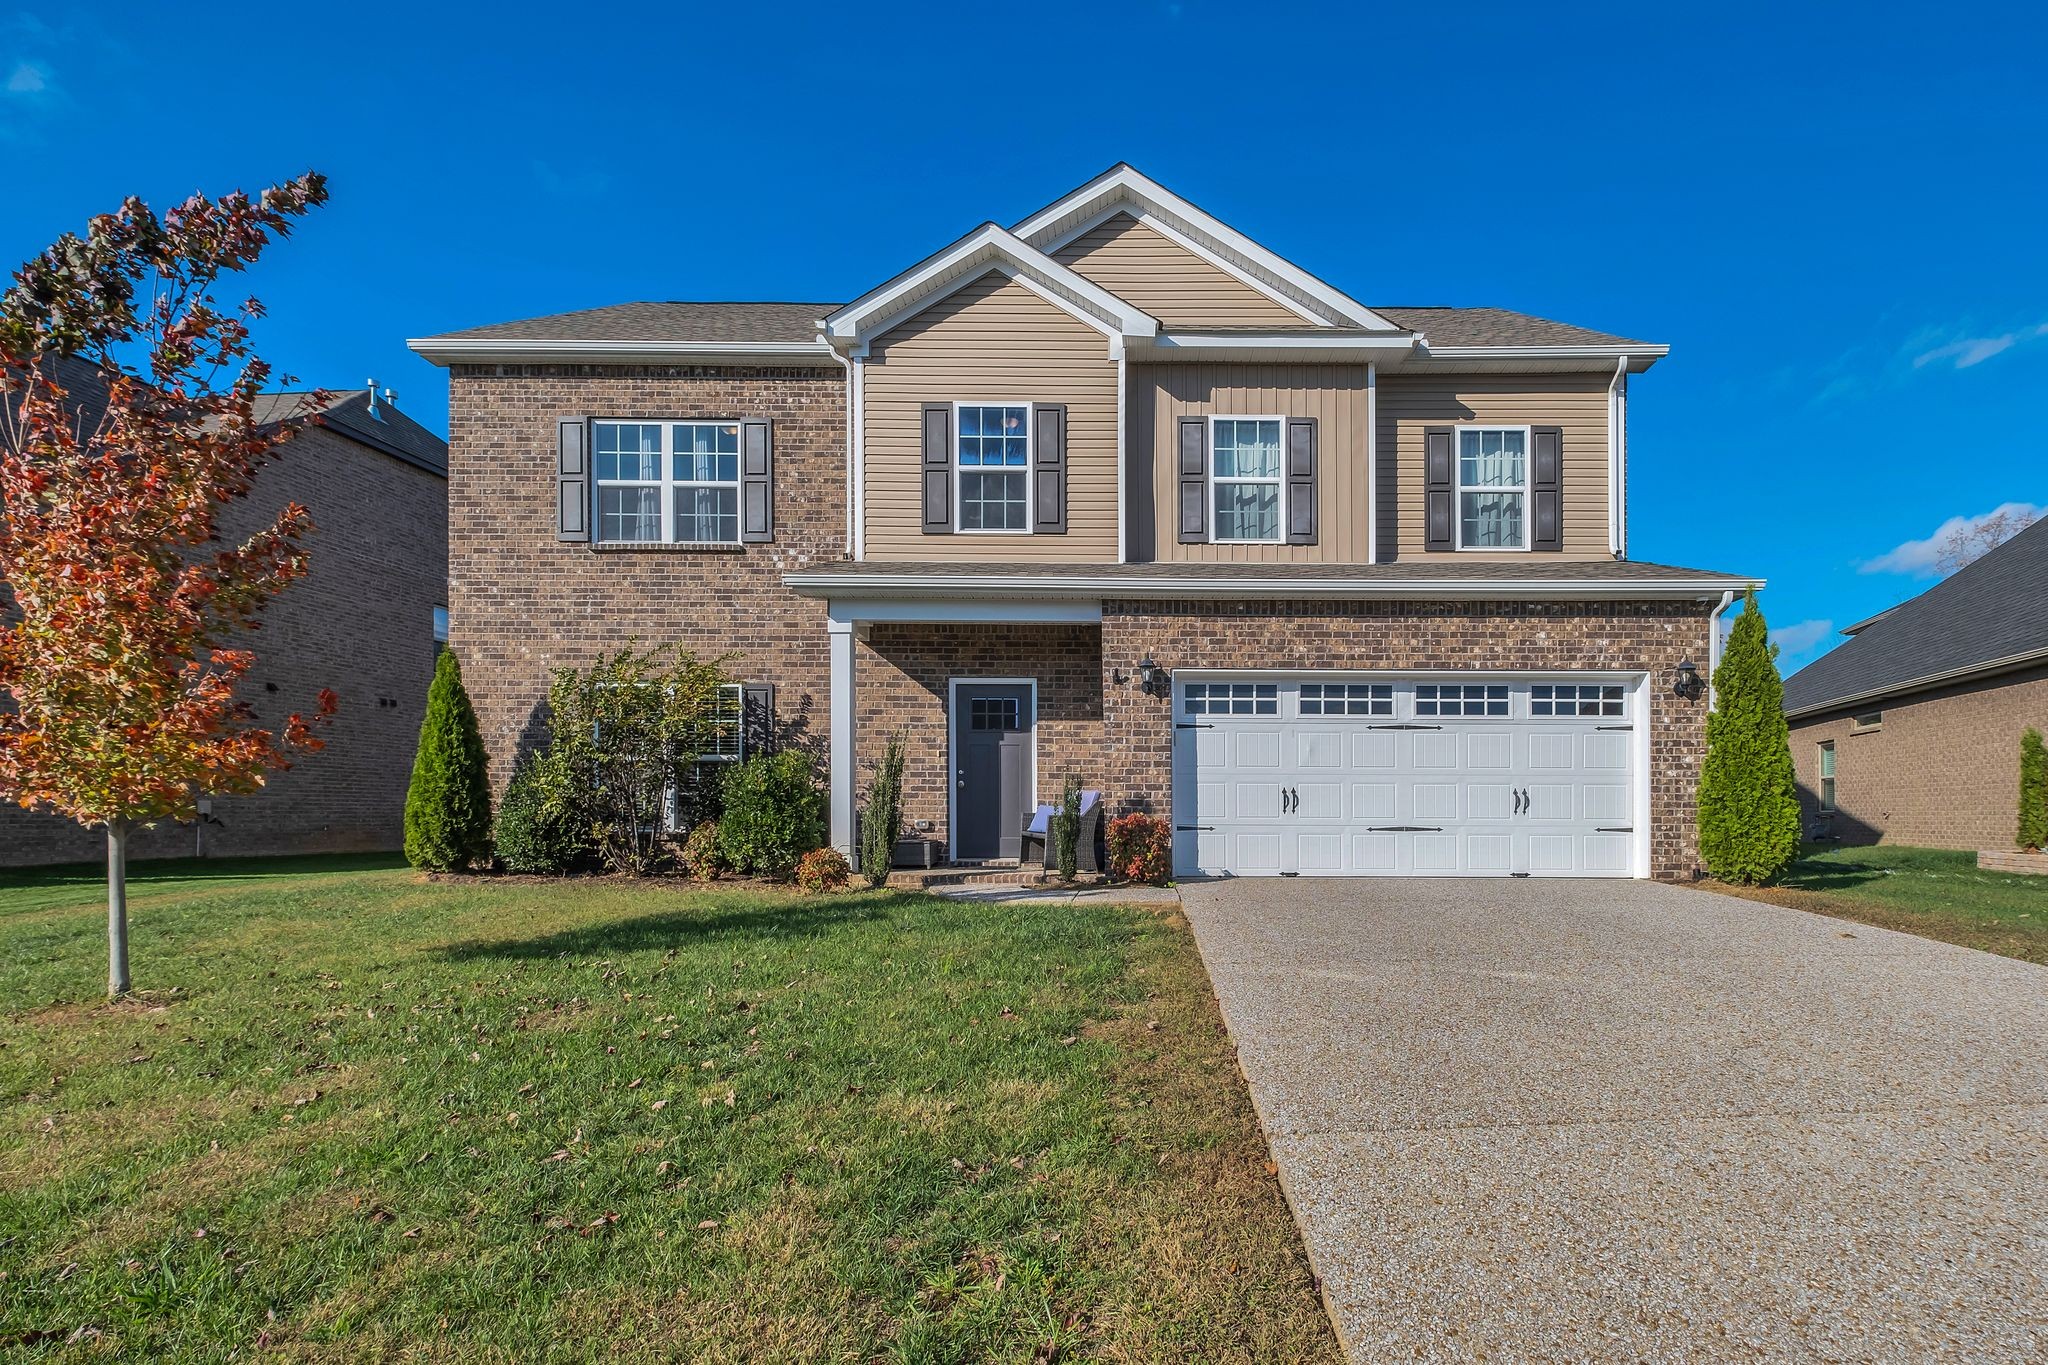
(1301, 481)
(1194, 480)
(1546, 488)
(757, 718)
(572, 478)
(757, 480)
(1440, 488)
(1049, 474)
(938, 468)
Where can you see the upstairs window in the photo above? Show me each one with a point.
(1245, 478)
(992, 444)
(1493, 487)
(667, 482)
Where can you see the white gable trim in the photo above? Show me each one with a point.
(1123, 183)
(988, 247)
(1147, 218)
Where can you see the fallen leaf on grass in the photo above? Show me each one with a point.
(1069, 1040)
(658, 1106)
(707, 1225)
(602, 1220)
(559, 1154)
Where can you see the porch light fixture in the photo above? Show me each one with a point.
(1688, 683)
(1150, 676)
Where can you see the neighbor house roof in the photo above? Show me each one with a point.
(347, 412)
(1466, 578)
(1986, 617)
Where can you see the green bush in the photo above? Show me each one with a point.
(448, 804)
(822, 869)
(539, 827)
(702, 859)
(2033, 791)
(1065, 830)
(881, 815)
(774, 813)
(1748, 803)
(627, 728)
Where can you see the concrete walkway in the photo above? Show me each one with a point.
(1530, 1120)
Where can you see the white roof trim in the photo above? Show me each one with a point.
(913, 584)
(1306, 341)
(1631, 351)
(1922, 683)
(954, 267)
(1270, 273)
(484, 350)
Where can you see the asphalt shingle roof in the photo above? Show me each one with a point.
(751, 322)
(1988, 611)
(347, 412)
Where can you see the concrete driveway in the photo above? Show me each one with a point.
(1539, 1120)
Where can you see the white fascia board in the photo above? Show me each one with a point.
(1077, 586)
(1921, 684)
(1643, 352)
(485, 350)
(1170, 206)
(1278, 341)
(927, 282)
(865, 610)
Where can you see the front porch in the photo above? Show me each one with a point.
(997, 703)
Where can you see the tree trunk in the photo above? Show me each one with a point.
(117, 910)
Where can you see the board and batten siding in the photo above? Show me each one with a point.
(1335, 395)
(1152, 271)
(990, 341)
(1411, 403)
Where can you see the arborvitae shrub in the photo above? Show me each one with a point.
(448, 805)
(1748, 802)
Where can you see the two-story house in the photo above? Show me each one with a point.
(1120, 493)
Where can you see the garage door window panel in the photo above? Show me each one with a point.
(1461, 699)
(1580, 699)
(1347, 699)
(1232, 699)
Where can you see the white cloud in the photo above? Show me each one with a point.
(1801, 636)
(1967, 351)
(28, 78)
(1923, 558)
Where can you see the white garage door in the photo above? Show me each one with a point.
(1348, 776)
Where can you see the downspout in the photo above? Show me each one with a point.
(1617, 460)
(1714, 643)
(846, 365)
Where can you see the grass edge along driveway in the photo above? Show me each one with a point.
(1935, 893)
(356, 1114)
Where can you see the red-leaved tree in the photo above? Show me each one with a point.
(130, 422)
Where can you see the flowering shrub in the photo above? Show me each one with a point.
(1140, 849)
(822, 869)
(702, 859)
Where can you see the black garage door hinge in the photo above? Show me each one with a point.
(1192, 725)
(1614, 829)
(1203, 828)
(1404, 725)
(1405, 829)
(1614, 727)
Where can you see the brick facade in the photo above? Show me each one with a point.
(525, 603)
(360, 622)
(1940, 771)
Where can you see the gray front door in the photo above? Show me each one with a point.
(992, 749)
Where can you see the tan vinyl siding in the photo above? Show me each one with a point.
(1408, 404)
(1144, 267)
(1335, 395)
(996, 341)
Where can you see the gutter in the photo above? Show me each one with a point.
(1096, 586)
(1921, 684)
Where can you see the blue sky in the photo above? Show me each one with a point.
(1834, 215)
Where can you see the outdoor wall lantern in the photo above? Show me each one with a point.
(1151, 677)
(1688, 683)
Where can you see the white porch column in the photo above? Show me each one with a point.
(841, 758)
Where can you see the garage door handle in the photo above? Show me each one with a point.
(1405, 725)
(1191, 725)
(1203, 828)
(1405, 829)
(1614, 727)
(1614, 829)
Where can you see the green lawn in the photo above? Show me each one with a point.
(354, 1114)
(1926, 891)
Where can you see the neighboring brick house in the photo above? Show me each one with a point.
(1122, 494)
(363, 621)
(1909, 732)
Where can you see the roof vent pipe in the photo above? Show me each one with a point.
(374, 414)
(390, 399)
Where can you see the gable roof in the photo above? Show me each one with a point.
(1985, 617)
(988, 247)
(1124, 187)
